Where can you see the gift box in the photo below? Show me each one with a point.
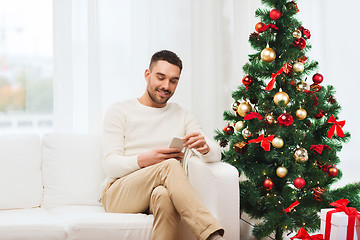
(339, 228)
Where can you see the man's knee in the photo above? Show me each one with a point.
(171, 163)
(160, 191)
(160, 194)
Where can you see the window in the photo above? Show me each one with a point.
(26, 66)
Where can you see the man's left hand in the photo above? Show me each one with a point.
(196, 140)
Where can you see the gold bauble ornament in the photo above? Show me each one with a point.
(268, 55)
(244, 108)
(270, 118)
(298, 67)
(301, 86)
(301, 114)
(239, 125)
(301, 155)
(281, 171)
(246, 133)
(282, 97)
(277, 142)
(297, 34)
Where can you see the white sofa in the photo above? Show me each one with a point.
(49, 189)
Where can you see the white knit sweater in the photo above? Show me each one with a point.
(131, 128)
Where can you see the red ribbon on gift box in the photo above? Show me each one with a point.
(302, 234)
(340, 206)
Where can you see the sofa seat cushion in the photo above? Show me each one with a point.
(92, 223)
(33, 223)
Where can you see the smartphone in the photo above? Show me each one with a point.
(177, 142)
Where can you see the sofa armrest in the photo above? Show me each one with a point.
(217, 185)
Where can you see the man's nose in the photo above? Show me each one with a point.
(166, 84)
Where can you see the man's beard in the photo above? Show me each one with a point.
(153, 97)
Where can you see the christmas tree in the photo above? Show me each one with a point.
(283, 133)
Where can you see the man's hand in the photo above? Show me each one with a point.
(158, 155)
(197, 141)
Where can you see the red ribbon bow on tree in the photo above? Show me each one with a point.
(265, 141)
(270, 85)
(338, 125)
(319, 148)
(266, 27)
(351, 212)
(302, 234)
(253, 115)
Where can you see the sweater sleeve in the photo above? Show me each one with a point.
(115, 163)
(214, 155)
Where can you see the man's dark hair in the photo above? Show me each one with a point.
(168, 56)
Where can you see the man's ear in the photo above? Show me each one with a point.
(147, 74)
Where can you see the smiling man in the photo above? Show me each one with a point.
(143, 174)
(160, 87)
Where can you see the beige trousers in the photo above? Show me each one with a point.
(164, 190)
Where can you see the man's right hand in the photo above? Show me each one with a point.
(158, 155)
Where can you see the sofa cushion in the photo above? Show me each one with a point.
(32, 223)
(20, 171)
(92, 223)
(72, 169)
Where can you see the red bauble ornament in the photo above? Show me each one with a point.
(285, 119)
(333, 171)
(258, 26)
(247, 81)
(268, 184)
(317, 78)
(275, 14)
(299, 183)
(229, 129)
(300, 43)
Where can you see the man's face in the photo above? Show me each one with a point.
(162, 80)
